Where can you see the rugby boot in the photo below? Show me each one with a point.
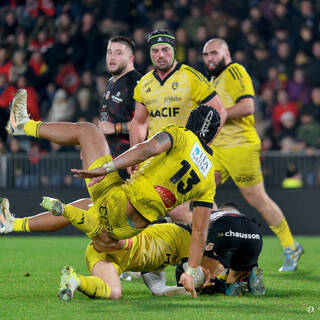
(291, 258)
(55, 206)
(6, 218)
(18, 114)
(69, 282)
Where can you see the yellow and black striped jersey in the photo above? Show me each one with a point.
(171, 100)
(185, 172)
(232, 85)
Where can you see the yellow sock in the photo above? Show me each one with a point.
(283, 232)
(94, 287)
(21, 225)
(32, 127)
(86, 221)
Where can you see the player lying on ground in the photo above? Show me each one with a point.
(179, 168)
(237, 239)
(234, 242)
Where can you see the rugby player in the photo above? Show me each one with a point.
(234, 242)
(179, 168)
(168, 94)
(237, 147)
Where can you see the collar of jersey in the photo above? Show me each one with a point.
(178, 66)
(123, 76)
(224, 69)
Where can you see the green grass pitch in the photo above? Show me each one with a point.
(29, 277)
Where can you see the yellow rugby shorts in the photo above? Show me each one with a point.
(110, 201)
(241, 163)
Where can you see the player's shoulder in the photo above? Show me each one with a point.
(192, 73)
(133, 76)
(236, 71)
(147, 77)
(175, 131)
(172, 127)
(132, 79)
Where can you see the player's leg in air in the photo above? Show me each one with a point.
(42, 222)
(93, 147)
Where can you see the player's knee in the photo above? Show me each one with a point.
(256, 199)
(115, 293)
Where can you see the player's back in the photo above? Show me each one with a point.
(185, 172)
(158, 246)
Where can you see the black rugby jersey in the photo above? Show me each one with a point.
(117, 105)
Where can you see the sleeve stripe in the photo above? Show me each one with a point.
(234, 78)
(203, 204)
(236, 70)
(235, 73)
(170, 137)
(209, 97)
(243, 97)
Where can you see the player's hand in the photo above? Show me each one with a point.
(106, 127)
(132, 169)
(187, 281)
(97, 174)
(207, 282)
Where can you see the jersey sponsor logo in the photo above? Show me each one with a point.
(165, 112)
(116, 98)
(147, 83)
(234, 234)
(244, 177)
(172, 99)
(166, 196)
(104, 116)
(200, 159)
(149, 102)
(175, 85)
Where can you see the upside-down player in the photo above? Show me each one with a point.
(178, 168)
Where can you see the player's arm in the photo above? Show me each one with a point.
(109, 128)
(139, 124)
(161, 142)
(216, 103)
(200, 222)
(240, 87)
(244, 107)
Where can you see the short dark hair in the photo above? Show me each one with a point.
(126, 41)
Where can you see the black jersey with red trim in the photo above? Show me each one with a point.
(117, 105)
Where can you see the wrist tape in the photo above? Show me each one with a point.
(109, 167)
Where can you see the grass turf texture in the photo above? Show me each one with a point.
(29, 277)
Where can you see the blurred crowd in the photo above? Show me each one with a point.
(56, 50)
